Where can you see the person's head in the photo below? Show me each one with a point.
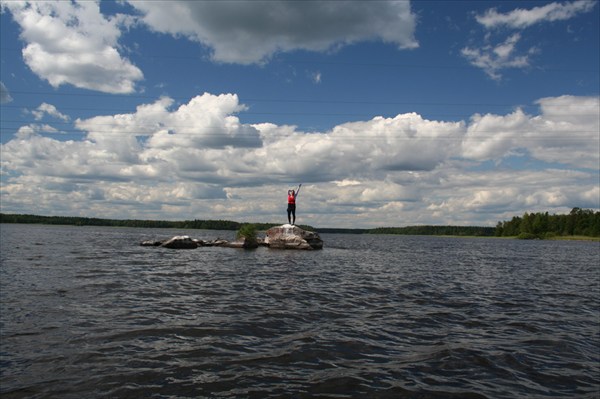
(290, 192)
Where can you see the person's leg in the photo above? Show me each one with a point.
(294, 214)
(289, 212)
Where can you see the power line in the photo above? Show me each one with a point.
(241, 113)
(163, 126)
(243, 99)
(270, 100)
(345, 63)
(217, 132)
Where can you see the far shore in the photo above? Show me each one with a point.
(555, 238)
(438, 231)
(574, 238)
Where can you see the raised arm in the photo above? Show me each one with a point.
(297, 191)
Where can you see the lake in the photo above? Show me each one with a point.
(86, 312)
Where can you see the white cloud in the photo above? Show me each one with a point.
(5, 97)
(316, 77)
(252, 31)
(73, 43)
(522, 18)
(492, 59)
(566, 132)
(199, 160)
(33, 129)
(48, 109)
(179, 138)
(511, 193)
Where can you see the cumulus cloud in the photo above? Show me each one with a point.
(522, 18)
(199, 159)
(73, 43)
(511, 192)
(252, 31)
(357, 150)
(34, 129)
(176, 138)
(566, 132)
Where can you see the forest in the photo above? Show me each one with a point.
(541, 225)
(579, 222)
(83, 221)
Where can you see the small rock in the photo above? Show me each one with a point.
(280, 237)
(180, 242)
(150, 243)
(219, 242)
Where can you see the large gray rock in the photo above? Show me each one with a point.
(288, 236)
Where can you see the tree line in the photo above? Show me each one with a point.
(85, 221)
(579, 222)
(231, 225)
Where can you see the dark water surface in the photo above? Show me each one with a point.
(88, 313)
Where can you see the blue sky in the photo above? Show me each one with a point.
(390, 113)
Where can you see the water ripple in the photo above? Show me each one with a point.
(86, 312)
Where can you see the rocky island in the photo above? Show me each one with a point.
(286, 236)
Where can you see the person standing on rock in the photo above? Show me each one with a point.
(291, 209)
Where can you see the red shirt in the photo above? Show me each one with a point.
(291, 199)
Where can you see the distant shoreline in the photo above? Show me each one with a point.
(424, 230)
(232, 225)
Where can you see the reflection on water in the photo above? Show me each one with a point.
(87, 312)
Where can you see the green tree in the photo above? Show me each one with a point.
(526, 224)
(539, 225)
(499, 229)
(247, 231)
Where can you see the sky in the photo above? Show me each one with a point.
(390, 113)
